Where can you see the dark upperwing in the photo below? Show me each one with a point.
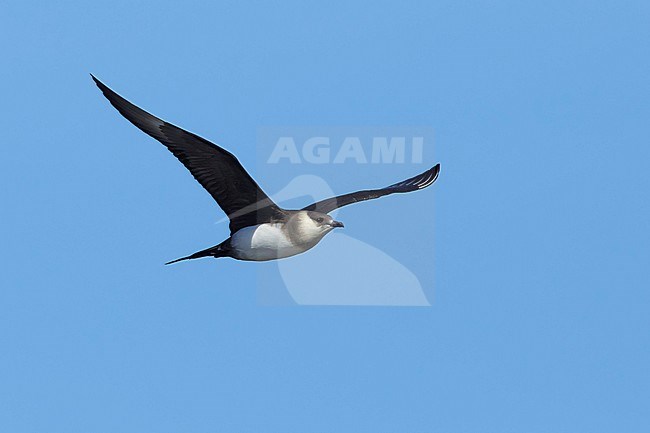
(216, 169)
(413, 184)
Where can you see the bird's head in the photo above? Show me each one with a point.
(309, 227)
(322, 221)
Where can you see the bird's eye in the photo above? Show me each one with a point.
(320, 220)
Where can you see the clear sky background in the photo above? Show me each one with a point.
(536, 235)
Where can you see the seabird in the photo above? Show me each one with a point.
(260, 230)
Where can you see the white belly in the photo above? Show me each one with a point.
(264, 242)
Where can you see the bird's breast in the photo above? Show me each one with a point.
(264, 242)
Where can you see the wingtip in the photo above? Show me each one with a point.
(98, 83)
(436, 173)
(429, 177)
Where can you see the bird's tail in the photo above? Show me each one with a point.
(216, 251)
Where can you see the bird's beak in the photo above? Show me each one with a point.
(337, 224)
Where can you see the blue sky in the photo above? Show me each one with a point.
(532, 247)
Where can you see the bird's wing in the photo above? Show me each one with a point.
(216, 169)
(413, 184)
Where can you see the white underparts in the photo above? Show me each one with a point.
(276, 240)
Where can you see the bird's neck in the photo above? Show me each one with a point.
(302, 230)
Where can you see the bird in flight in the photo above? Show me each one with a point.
(260, 230)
